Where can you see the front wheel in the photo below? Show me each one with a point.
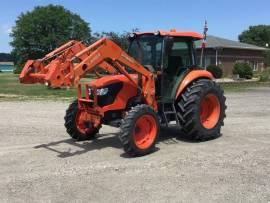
(201, 110)
(75, 124)
(139, 130)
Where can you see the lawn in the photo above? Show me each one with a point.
(242, 86)
(11, 89)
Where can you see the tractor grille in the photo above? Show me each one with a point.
(107, 99)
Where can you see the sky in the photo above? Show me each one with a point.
(226, 18)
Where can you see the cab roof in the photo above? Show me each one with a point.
(173, 33)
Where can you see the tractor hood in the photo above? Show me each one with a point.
(110, 79)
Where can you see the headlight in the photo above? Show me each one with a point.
(102, 91)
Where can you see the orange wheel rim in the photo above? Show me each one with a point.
(209, 111)
(145, 131)
(82, 124)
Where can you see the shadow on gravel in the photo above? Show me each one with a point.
(171, 135)
(102, 141)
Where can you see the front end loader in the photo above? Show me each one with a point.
(157, 82)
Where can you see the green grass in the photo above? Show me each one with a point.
(11, 89)
(242, 86)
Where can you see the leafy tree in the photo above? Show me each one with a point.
(43, 29)
(119, 38)
(4, 57)
(258, 35)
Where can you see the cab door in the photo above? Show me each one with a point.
(178, 57)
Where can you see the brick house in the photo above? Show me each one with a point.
(225, 53)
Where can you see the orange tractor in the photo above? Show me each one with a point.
(156, 83)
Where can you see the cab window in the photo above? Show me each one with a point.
(179, 55)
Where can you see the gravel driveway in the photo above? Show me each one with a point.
(38, 161)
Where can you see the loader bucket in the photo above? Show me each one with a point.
(33, 72)
(51, 75)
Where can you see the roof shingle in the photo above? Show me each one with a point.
(218, 42)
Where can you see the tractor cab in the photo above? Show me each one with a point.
(169, 55)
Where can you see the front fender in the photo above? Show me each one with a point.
(191, 76)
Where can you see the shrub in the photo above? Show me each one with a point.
(243, 70)
(264, 76)
(215, 70)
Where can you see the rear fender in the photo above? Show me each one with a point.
(191, 76)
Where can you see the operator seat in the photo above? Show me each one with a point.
(174, 64)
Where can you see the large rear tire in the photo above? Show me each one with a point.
(139, 130)
(201, 110)
(76, 128)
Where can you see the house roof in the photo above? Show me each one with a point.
(218, 42)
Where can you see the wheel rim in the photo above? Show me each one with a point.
(145, 131)
(83, 126)
(210, 111)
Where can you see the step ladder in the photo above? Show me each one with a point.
(168, 109)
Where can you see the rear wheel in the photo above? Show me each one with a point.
(139, 130)
(75, 124)
(201, 110)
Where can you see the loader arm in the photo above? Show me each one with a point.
(67, 48)
(106, 51)
(53, 70)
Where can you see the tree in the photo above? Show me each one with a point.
(119, 38)
(43, 29)
(258, 35)
(4, 57)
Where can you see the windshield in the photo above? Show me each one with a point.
(147, 50)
